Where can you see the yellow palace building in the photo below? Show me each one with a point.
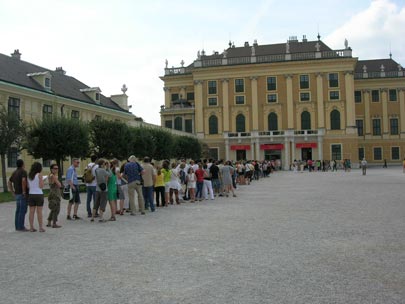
(297, 100)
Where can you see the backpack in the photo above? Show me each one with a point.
(88, 176)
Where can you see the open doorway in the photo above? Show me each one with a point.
(306, 153)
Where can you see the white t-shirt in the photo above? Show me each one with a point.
(93, 171)
(34, 185)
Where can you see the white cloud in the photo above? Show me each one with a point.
(371, 32)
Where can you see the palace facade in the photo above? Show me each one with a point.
(295, 100)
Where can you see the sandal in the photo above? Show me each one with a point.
(33, 230)
(112, 219)
(122, 212)
(41, 230)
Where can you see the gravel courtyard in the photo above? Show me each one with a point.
(291, 238)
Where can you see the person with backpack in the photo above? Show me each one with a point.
(90, 180)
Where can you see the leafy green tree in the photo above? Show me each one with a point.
(163, 141)
(110, 139)
(142, 143)
(186, 147)
(58, 138)
(12, 131)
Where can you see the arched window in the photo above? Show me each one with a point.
(272, 121)
(213, 125)
(178, 123)
(335, 120)
(305, 121)
(240, 123)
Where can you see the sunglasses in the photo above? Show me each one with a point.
(55, 168)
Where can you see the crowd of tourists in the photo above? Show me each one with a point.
(115, 184)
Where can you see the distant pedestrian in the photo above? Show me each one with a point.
(385, 164)
(17, 184)
(364, 166)
(73, 181)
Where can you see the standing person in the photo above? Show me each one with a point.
(122, 189)
(199, 173)
(102, 176)
(160, 188)
(226, 173)
(149, 179)
(91, 187)
(174, 184)
(54, 197)
(166, 173)
(364, 166)
(216, 184)
(191, 183)
(73, 181)
(36, 195)
(17, 184)
(385, 163)
(207, 186)
(112, 188)
(133, 172)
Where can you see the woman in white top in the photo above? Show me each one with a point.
(36, 195)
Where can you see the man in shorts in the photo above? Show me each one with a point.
(72, 180)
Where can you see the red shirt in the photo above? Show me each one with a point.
(200, 175)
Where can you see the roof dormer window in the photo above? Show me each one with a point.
(47, 82)
(42, 78)
(93, 93)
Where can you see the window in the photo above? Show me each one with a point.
(75, 114)
(239, 85)
(212, 87)
(178, 123)
(271, 83)
(272, 121)
(212, 101)
(271, 98)
(239, 99)
(333, 80)
(12, 157)
(213, 125)
(361, 153)
(394, 126)
(335, 120)
(359, 125)
(97, 118)
(190, 96)
(336, 151)
(375, 95)
(334, 95)
(393, 95)
(304, 81)
(188, 125)
(47, 111)
(305, 96)
(174, 97)
(305, 121)
(168, 124)
(14, 105)
(357, 96)
(377, 153)
(395, 153)
(46, 162)
(376, 126)
(240, 123)
(97, 96)
(47, 82)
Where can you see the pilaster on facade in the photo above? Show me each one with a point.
(199, 119)
(367, 121)
(290, 102)
(225, 104)
(255, 104)
(167, 97)
(320, 100)
(402, 109)
(350, 105)
(384, 99)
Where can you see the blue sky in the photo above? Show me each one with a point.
(109, 43)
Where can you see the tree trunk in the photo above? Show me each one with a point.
(59, 162)
(3, 172)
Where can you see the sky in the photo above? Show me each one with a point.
(107, 44)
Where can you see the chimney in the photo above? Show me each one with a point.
(59, 70)
(16, 54)
(304, 38)
(246, 44)
(121, 99)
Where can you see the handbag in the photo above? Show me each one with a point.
(67, 193)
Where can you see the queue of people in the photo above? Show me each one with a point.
(107, 182)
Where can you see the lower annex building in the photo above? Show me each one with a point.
(297, 100)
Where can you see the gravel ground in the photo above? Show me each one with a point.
(291, 238)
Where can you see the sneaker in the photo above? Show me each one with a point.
(92, 220)
(76, 217)
(89, 215)
(143, 213)
(68, 217)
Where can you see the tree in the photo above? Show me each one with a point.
(58, 138)
(186, 147)
(142, 143)
(163, 142)
(12, 131)
(110, 139)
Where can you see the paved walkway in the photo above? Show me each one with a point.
(291, 238)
